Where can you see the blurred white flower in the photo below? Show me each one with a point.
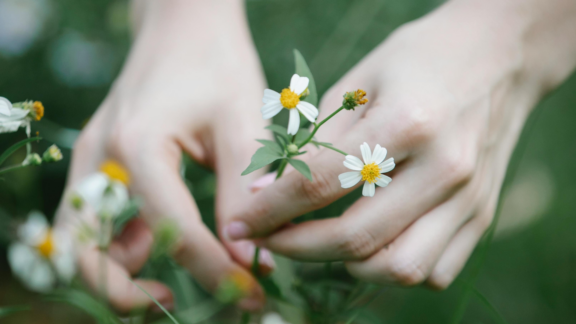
(12, 118)
(42, 256)
(290, 99)
(21, 24)
(370, 171)
(273, 318)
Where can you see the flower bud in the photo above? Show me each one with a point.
(32, 159)
(52, 154)
(76, 201)
(166, 235)
(292, 148)
(354, 99)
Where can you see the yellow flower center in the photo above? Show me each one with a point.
(289, 99)
(370, 172)
(46, 247)
(38, 110)
(115, 171)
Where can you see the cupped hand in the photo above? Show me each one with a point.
(188, 92)
(449, 95)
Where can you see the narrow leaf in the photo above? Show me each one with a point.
(301, 136)
(302, 167)
(271, 145)
(302, 69)
(262, 158)
(156, 302)
(270, 287)
(15, 147)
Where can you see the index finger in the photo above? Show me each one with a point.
(294, 195)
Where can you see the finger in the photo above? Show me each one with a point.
(132, 247)
(410, 258)
(106, 276)
(461, 247)
(294, 195)
(371, 222)
(232, 155)
(165, 195)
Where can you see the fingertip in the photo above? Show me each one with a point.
(236, 230)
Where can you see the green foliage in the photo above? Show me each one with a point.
(262, 158)
(302, 69)
(6, 311)
(15, 147)
(301, 167)
(155, 302)
(271, 145)
(280, 130)
(84, 301)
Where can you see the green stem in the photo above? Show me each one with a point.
(335, 149)
(281, 168)
(12, 168)
(256, 262)
(327, 275)
(316, 126)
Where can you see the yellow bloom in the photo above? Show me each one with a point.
(38, 109)
(115, 171)
(354, 99)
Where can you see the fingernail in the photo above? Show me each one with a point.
(267, 259)
(237, 231)
(262, 182)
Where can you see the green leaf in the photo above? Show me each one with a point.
(301, 136)
(15, 147)
(302, 167)
(129, 212)
(6, 311)
(270, 287)
(271, 145)
(87, 303)
(302, 69)
(280, 130)
(262, 158)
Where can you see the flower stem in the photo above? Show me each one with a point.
(335, 149)
(281, 168)
(12, 168)
(316, 126)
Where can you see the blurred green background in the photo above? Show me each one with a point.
(66, 53)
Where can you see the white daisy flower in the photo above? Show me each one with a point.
(42, 256)
(105, 195)
(12, 118)
(370, 170)
(289, 99)
(273, 318)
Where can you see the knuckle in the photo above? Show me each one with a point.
(356, 244)
(416, 124)
(406, 272)
(125, 141)
(458, 169)
(318, 192)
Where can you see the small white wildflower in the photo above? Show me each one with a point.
(290, 99)
(273, 318)
(41, 257)
(370, 170)
(52, 154)
(12, 118)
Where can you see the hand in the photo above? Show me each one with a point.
(449, 95)
(188, 85)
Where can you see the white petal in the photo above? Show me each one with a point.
(366, 155)
(21, 257)
(349, 179)
(91, 189)
(387, 165)
(35, 229)
(379, 154)
(65, 265)
(308, 110)
(41, 278)
(5, 106)
(10, 126)
(353, 163)
(272, 318)
(383, 180)
(115, 200)
(271, 109)
(270, 95)
(369, 189)
(293, 122)
(298, 84)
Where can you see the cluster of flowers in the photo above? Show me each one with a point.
(44, 256)
(372, 167)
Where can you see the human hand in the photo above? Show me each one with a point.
(449, 95)
(187, 86)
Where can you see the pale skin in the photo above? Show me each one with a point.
(449, 95)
